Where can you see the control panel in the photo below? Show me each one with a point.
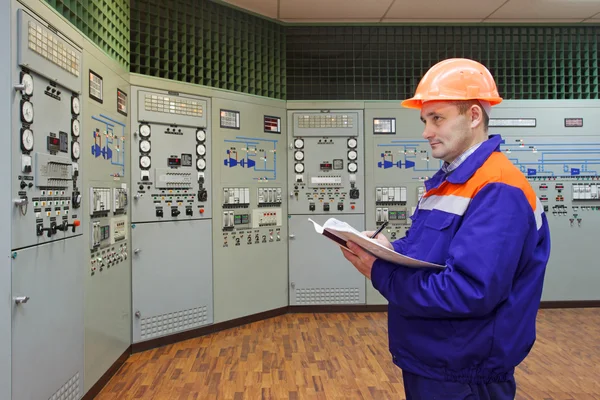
(326, 163)
(171, 157)
(398, 163)
(46, 181)
(251, 171)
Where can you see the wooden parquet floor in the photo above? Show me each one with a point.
(342, 356)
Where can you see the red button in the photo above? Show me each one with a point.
(352, 206)
(202, 211)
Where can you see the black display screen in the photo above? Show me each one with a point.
(174, 162)
(326, 166)
(53, 144)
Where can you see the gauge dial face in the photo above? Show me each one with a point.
(298, 143)
(145, 146)
(352, 155)
(299, 168)
(201, 149)
(201, 164)
(200, 135)
(75, 106)
(27, 112)
(352, 143)
(75, 150)
(299, 156)
(27, 81)
(27, 139)
(75, 127)
(352, 167)
(145, 162)
(145, 130)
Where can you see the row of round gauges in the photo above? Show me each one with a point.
(145, 146)
(200, 149)
(299, 155)
(75, 128)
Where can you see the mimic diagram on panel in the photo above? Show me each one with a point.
(253, 154)
(407, 154)
(536, 158)
(109, 144)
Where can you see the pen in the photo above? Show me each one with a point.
(378, 231)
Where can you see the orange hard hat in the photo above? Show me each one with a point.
(455, 79)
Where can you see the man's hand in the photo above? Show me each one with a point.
(362, 261)
(380, 238)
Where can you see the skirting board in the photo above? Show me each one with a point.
(97, 388)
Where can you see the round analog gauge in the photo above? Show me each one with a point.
(27, 112)
(298, 143)
(201, 164)
(27, 81)
(201, 149)
(75, 150)
(352, 143)
(352, 167)
(200, 135)
(145, 130)
(145, 146)
(75, 106)
(299, 168)
(299, 156)
(75, 127)
(352, 155)
(145, 162)
(27, 140)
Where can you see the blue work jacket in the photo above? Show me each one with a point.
(474, 320)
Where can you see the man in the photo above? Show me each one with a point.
(459, 332)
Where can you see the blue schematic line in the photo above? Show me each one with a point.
(547, 152)
(409, 160)
(107, 150)
(248, 161)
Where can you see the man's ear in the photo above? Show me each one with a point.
(476, 116)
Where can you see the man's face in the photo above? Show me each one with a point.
(449, 133)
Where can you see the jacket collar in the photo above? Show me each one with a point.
(466, 170)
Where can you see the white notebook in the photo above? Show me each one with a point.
(340, 232)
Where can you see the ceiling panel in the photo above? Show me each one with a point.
(333, 9)
(548, 9)
(268, 8)
(435, 9)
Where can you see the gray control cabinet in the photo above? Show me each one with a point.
(326, 178)
(105, 138)
(6, 197)
(398, 161)
(556, 145)
(172, 263)
(250, 207)
(46, 215)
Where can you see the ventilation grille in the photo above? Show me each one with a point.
(166, 324)
(327, 296)
(169, 105)
(69, 391)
